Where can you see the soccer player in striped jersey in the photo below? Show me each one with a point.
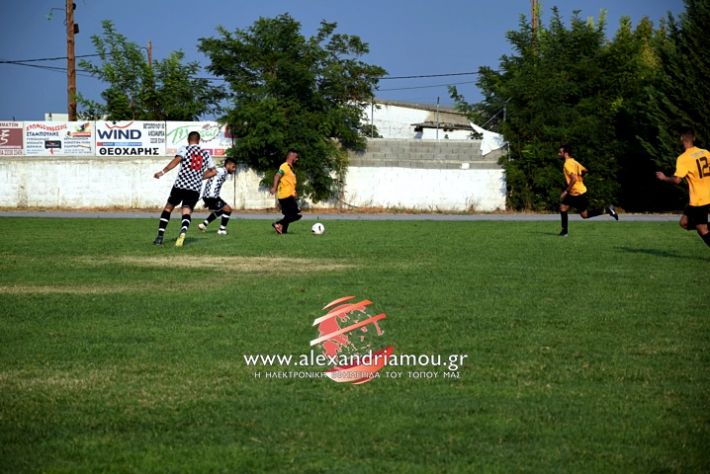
(693, 165)
(212, 199)
(575, 195)
(195, 165)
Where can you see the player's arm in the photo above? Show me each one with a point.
(277, 178)
(209, 173)
(668, 179)
(572, 180)
(170, 166)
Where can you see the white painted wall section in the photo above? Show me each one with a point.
(426, 189)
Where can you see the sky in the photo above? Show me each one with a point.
(406, 37)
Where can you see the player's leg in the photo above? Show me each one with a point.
(588, 213)
(581, 202)
(279, 225)
(211, 204)
(291, 212)
(226, 213)
(189, 201)
(704, 233)
(165, 216)
(564, 218)
(698, 218)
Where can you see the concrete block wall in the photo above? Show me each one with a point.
(406, 174)
(428, 154)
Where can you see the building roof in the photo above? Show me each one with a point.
(447, 117)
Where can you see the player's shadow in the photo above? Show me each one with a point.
(658, 253)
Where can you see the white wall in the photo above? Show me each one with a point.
(51, 182)
(426, 189)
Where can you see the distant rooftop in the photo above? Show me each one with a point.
(414, 105)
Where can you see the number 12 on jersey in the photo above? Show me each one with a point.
(703, 167)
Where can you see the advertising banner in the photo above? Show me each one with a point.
(214, 137)
(11, 138)
(59, 138)
(134, 138)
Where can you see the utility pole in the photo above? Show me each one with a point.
(150, 54)
(437, 117)
(535, 19)
(72, 29)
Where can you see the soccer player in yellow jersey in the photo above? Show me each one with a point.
(575, 194)
(694, 166)
(285, 189)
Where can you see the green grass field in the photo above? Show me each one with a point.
(585, 354)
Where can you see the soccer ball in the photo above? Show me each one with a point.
(318, 228)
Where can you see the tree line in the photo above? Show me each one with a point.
(619, 102)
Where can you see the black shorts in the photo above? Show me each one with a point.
(581, 202)
(289, 206)
(185, 196)
(214, 204)
(697, 215)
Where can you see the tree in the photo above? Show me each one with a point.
(163, 90)
(680, 96)
(288, 91)
(569, 86)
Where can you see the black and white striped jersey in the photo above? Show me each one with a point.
(193, 164)
(214, 185)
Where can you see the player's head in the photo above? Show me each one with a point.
(193, 137)
(230, 164)
(291, 156)
(687, 136)
(565, 150)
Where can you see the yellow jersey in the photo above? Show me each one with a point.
(694, 166)
(287, 182)
(573, 167)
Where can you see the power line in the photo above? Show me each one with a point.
(384, 78)
(57, 58)
(49, 68)
(426, 87)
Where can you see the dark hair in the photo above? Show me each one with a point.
(291, 150)
(566, 148)
(687, 132)
(192, 136)
(230, 160)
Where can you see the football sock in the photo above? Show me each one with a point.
(186, 219)
(211, 217)
(706, 238)
(564, 218)
(225, 220)
(594, 213)
(164, 219)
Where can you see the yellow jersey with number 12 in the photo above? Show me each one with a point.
(694, 166)
(573, 167)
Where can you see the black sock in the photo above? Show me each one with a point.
(706, 238)
(163, 223)
(186, 219)
(565, 219)
(225, 220)
(594, 213)
(211, 217)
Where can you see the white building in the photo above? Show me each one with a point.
(406, 120)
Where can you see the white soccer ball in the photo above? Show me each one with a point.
(318, 228)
